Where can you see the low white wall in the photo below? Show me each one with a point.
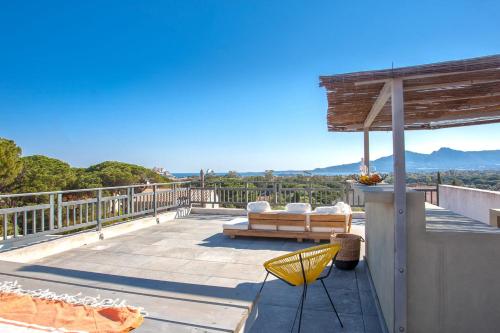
(469, 202)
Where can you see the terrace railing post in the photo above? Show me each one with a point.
(275, 189)
(215, 195)
(437, 194)
(5, 226)
(438, 181)
(176, 199)
(128, 200)
(202, 195)
(98, 210)
(51, 212)
(16, 231)
(59, 210)
(155, 204)
(131, 199)
(246, 193)
(346, 194)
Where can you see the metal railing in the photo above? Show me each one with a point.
(353, 198)
(28, 215)
(431, 194)
(35, 214)
(276, 193)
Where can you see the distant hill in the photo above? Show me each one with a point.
(442, 159)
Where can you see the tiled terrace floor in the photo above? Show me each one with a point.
(191, 278)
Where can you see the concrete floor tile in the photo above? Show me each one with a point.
(372, 324)
(368, 303)
(192, 278)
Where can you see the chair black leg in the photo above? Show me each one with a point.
(331, 302)
(297, 312)
(302, 306)
(301, 302)
(262, 286)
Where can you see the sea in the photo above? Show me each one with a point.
(256, 173)
(194, 174)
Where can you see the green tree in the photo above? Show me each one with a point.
(85, 179)
(42, 173)
(269, 175)
(10, 163)
(232, 174)
(112, 173)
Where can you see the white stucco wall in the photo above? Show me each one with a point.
(452, 276)
(469, 202)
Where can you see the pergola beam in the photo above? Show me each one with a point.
(487, 114)
(382, 98)
(424, 76)
(453, 84)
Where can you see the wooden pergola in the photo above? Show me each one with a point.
(440, 95)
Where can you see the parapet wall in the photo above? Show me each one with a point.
(470, 202)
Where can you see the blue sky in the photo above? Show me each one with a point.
(227, 85)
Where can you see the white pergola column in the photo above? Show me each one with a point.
(400, 236)
(366, 156)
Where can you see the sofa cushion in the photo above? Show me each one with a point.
(239, 223)
(327, 229)
(298, 208)
(263, 227)
(291, 228)
(328, 210)
(258, 207)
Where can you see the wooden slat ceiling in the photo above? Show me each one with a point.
(448, 94)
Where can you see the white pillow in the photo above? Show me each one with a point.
(345, 208)
(298, 208)
(258, 207)
(239, 223)
(328, 210)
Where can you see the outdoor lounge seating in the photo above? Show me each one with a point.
(296, 221)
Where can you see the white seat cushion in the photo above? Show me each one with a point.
(298, 208)
(239, 223)
(258, 207)
(328, 210)
(327, 229)
(263, 227)
(291, 228)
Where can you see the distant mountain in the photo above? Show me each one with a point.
(442, 159)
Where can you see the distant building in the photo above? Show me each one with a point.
(163, 172)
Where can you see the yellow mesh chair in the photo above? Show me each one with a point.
(303, 267)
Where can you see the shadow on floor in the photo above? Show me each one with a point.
(278, 303)
(253, 243)
(207, 217)
(150, 287)
(275, 308)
